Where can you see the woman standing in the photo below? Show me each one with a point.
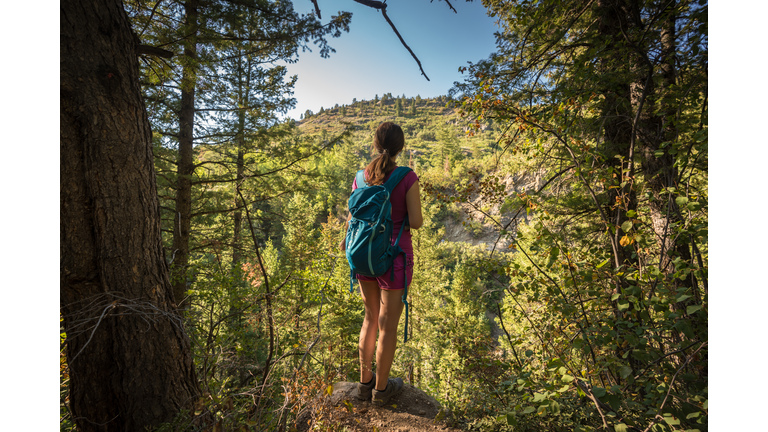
(381, 295)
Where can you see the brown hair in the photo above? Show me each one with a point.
(387, 143)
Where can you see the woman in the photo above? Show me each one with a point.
(382, 296)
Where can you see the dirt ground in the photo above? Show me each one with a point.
(410, 411)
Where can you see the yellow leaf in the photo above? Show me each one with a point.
(329, 390)
(625, 241)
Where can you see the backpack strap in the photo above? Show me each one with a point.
(398, 174)
(404, 298)
(360, 179)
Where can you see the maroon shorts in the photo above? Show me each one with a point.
(400, 269)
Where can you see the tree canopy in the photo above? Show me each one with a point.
(561, 274)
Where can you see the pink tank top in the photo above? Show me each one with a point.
(399, 208)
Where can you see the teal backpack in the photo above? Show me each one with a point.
(368, 247)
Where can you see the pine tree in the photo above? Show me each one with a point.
(199, 32)
(129, 359)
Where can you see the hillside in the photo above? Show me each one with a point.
(422, 120)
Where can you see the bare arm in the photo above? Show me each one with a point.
(343, 244)
(413, 204)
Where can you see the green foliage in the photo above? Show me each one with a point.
(601, 303)
(554, 305)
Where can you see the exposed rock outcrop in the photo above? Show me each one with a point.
(412, 411)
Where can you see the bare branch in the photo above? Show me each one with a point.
(383, 7)
(317, 9)
(450, 6)
(154, 51)
(149, 21)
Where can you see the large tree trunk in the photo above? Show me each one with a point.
(182, 221)
(659, 170)
(617, 112)
(129, 357)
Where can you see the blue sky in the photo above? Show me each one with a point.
(370, 59)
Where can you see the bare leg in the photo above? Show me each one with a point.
(389, 317)
(372, 299)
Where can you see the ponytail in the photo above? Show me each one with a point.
(388, 142)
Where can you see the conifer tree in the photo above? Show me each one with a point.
(197, 32)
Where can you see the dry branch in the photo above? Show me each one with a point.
(153, 51)
(383, 7)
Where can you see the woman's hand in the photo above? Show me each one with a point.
(343, 244)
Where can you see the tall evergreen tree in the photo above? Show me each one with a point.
(263, 30)
(129, 358)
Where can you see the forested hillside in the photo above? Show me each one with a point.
(560, 278)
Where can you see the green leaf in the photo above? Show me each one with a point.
(615, 296)
(567, 378)
(625, 371)
(631, 213)
(692, 309)
(681, 201)
(694, 206)
(613, 401)
(626, 226)
(623, 306)
(682, 298)
(538, 397)
(554, 407)
(598, 391)
(671, 420)
(603, 263)
(529, 410)
(511, 418)
(621, 427)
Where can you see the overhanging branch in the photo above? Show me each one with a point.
(317, 9)
(153, 51)
(383, 7)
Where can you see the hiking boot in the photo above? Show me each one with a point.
(364, 390)
(394, 387)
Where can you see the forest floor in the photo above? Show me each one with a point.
(410, 411)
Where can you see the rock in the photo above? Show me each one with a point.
(412, 410)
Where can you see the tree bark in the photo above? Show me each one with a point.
(617, 112)
(129, 358)
(244, 80)
(660, 171)
(182, 221)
